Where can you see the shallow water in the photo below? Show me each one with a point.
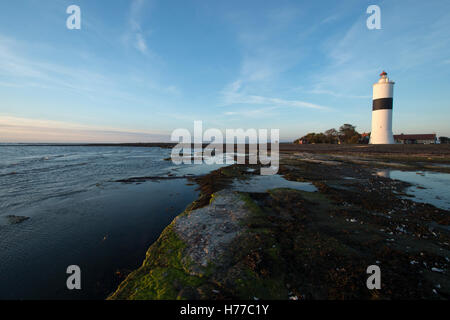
(79, 215)
(30, 174)
(428, 187)
(263, 183)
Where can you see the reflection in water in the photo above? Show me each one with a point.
(428, 187)
(264, 183)
(384, 173)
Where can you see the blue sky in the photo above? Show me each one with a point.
(139, 69)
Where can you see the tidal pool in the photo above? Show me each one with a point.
(260, 183)
(428, 187)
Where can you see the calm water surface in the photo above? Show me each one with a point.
(428, 187)
(79, 215)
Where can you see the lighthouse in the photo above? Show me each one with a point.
(383, 93)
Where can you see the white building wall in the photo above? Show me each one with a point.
(382, 127)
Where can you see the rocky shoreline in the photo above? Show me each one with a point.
(293, 244)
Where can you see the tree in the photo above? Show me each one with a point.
(313, 138)
(348, 134)
(445, 140)
(332, 135)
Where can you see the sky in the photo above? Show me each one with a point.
(138, 69)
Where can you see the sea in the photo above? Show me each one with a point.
(63, 205)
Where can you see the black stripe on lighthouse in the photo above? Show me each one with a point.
(383, 103)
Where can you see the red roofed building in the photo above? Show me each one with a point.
(415, 138)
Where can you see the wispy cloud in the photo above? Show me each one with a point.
(135, 35)
(354, 55)
(233, 95)
(16, 129)
(265, 57)
(337, 94)
(254, 113)
(140, 43)
(20, 71)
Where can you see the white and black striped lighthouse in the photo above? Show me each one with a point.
(383, 93)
